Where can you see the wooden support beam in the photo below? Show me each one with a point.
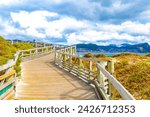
(111, 70)
(6, 75)
(90, 69)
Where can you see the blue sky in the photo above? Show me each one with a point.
(76, 21)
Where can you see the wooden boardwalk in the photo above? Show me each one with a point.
(42, 80)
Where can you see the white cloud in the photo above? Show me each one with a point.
(135, 28)
(119, 6)
(33, 32)
(57, 27)
(129, 31)
(80, 30)
(9, 2)
(38, 19)
(6, 28)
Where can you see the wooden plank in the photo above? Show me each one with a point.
(6, 75)
(6, 84)
(120, 88)
(8, 65)
(7, 93)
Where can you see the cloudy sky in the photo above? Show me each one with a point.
(76, 21)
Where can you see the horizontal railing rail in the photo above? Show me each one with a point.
(37, 51)
(8, 77)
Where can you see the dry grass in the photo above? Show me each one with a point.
(133, 71)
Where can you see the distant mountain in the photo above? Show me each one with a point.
(138, 48)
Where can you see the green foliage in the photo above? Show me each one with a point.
(8, 50)
(100, 55)
(148, 55)
(135, 77)
(124, 54)
(23, 46)
(88, 55)
(3, 60)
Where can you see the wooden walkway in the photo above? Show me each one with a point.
(42, 80)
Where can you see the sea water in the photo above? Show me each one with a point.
(107, 54)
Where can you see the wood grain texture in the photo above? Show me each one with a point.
(42, 80)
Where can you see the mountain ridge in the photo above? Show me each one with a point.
(137, 48)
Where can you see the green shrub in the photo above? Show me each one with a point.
(124, 54)
(3, 60)
(23, 46)
(100, 55)
(88, 55)
(148, 55)
(8, 50)
(135, 77)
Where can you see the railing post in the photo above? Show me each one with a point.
(15, 83)
(103, 81)
(36, 45)
(70, 50)
(64, 60)
(70, 59)
(110, 67)
(22, 54)
(74, 50)
(55, 57)
(79, 66)
(54, 48)
(36, 51)
(90, 69)
(30, 53)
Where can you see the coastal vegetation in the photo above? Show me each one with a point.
(7, 50)
(132, 70)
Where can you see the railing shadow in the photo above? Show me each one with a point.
(88, 92)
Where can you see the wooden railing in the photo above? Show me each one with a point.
(91, 71)
(36, 51)
(8, 78)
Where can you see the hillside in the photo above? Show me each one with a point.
(8, 50)
(138, 48)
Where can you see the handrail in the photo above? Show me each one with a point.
(37, 51)
(35, 48)
(120, 88)
(8, 79)
(95, 73)
(11, 62)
